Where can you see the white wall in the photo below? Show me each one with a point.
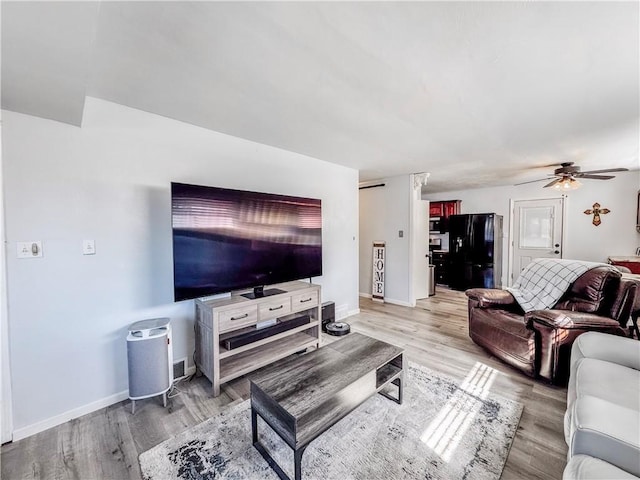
(109, 181)
(383, 212)
(583, 241)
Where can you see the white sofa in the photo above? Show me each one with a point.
(602, 422)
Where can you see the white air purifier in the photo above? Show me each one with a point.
(150, 357)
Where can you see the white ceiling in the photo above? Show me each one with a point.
(475, 93)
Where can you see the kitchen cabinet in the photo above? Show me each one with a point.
(451, 207)
(442, 210)
(441, 262)
(436, 209)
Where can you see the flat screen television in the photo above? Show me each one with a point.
(226, 240)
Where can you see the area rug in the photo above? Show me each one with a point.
(444, 429)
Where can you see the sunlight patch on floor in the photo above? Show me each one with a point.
(445, 432)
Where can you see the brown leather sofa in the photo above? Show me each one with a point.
(539, 342)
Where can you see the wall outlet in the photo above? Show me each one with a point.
(30, 249)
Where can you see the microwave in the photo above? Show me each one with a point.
(436, 224)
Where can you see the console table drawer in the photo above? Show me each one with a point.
(304, 300)
(237, 318)
(274, 308)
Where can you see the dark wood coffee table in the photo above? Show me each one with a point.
(301, 397)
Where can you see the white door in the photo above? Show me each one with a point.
(6, 424)
(536, 232)
(419, 261)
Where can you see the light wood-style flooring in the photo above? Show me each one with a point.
(106, 444)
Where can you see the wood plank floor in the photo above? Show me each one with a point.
(106, 444)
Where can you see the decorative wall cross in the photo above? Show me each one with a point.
(596, 211)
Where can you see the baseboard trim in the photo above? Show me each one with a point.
(388, 300)
(341, 311)
(51, 422)
(397, 302)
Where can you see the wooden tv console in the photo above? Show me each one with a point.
(219, 319)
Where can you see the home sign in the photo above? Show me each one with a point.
(377, 285)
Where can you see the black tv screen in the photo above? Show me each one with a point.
(226, 240)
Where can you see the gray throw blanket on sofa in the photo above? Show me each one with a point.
(543, 281)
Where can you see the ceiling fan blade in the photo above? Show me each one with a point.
(552, 183)
(532, 181)
(595, 177)
(607, 170)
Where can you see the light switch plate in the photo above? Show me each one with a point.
(30, 249)
(88, 247)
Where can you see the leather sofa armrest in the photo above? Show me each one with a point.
(555, 331)
(569, 319)
(490, 297)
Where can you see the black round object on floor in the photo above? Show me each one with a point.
(338, 328)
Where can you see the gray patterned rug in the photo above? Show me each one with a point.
(445, 429)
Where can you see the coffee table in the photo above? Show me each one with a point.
(301, 397)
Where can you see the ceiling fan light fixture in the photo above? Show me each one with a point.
(567, 183)
(564, 178)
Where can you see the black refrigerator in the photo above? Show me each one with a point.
(475, 251)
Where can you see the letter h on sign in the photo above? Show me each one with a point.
(377, 285)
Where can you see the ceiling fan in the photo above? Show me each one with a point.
(566, 176)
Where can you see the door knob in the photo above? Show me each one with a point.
(557, 245)
(556, 251)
